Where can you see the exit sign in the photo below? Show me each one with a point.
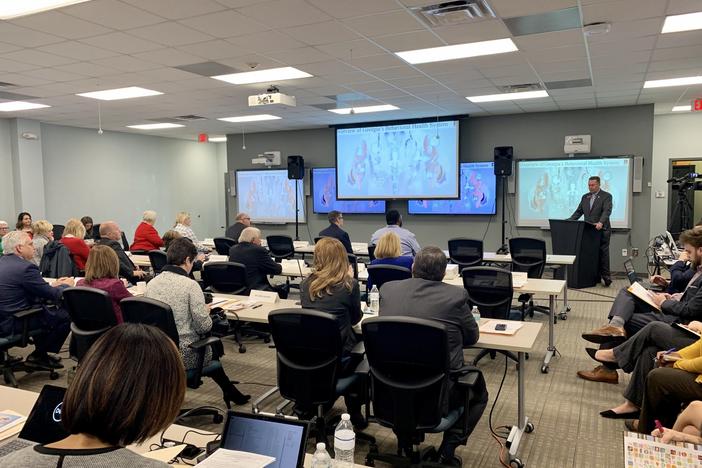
(697, 104)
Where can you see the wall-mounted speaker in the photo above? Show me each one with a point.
(296, 167)
(503, 160)
(637, 183)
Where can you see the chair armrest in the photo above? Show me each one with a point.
(359, 349)
(203, 343)
(466, 377)
(22, 314)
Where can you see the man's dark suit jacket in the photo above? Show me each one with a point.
(234, 231)
(337, 233)
(126, 267)
(601, 209)
(258, 264)
(689, 307)
(433, 300)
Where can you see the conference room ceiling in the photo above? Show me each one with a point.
(348, 46)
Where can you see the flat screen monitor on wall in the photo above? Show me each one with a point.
(553, 188)
(406, 161)
(268, 196)
(324, 196)
(477, 194)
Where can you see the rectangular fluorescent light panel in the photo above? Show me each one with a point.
(364, 109)
(263, 76)
(120, 93)
(687, 108)
(685, 81)
(250, 118)
(678, 23)
(11, 106)
(156, 126)
(458, 51)
(508, 96)
(15, 8)
(217, 139)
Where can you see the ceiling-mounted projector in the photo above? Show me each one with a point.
(272, 97)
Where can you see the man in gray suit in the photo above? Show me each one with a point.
(426, 296)
(596, 207)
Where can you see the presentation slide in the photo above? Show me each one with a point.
(477, 194)
(324, 196)
(553, 188)
(268, 196)
(398, 161)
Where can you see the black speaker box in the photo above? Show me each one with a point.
(296, 167)
(503, 160)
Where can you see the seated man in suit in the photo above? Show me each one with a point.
(111, 236)
(242, 222)
(21, 288)
(258, 262)
(630, 314)
(408, 242)
(336, 220)
(426, 296)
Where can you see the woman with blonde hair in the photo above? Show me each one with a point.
(43, 233)
(388, 251)
(146, 236)
(102, 272)
(182, 226)
(72, 238)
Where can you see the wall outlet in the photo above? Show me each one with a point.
(625, 253)
(634, 252)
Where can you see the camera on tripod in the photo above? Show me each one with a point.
(681, 218)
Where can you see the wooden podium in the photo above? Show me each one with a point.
(581, 239)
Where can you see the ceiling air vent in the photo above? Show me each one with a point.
(456, 12)
(520, 88)
(189, 118)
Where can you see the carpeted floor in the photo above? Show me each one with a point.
(564, 409)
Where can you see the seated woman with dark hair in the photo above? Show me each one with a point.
(102, 272)
(114, 402)
(88, 225)
(191, 314)
(388, 251)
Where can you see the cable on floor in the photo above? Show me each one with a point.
(494, 434)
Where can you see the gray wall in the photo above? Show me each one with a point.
(615, 131)
(7, 192)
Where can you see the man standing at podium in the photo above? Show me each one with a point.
(596, 206)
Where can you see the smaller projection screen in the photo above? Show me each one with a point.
(324, 196)
(268, 196)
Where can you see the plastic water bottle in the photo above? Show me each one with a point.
(476, 314)
(374, 299)
(344, 442)
(321, 458)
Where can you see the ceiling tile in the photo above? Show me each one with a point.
(680, 39)
(112, 13)
(125, 63)
(473, 32)
(347, 9)
(623, 10)
(385, 23)
(299, 56)
(225, 24)
(284, 13)
(266, 41)
(212, 50)
(510, 8)
(409, 41)
(677, 7)
(121, 42)
(60, 24)
(537, 42)
(77, 50)
(177, 9)
(88, 69)
(376, 62)
(170, 34)
(37, 57)
(24, 37)
(53, 74)
(344, 50)
(171, 57)
(689, 52)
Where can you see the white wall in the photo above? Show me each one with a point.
(675, 136)
(119, 175)
(7, 195)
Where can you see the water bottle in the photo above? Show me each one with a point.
(321, 458)
(374, 299)
(476, 314)
(344, 442)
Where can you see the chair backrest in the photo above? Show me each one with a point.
(125, 243)
(223, 244)
(280, 246)
(150, 312)
(91, 315)
(490, 289)
(158, 259)
(225, 277)
(408, 382)
(308, 348)
(316, 239)
(465, 252)
(528, 255)
(353, 260)
(96, 232)
(58, 231)
(381, 274)
(371, 251)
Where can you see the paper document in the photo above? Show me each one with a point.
(224, 458)
(165, 454)
(519, 279)
(10, 423)
(490, 326)
(644, 294)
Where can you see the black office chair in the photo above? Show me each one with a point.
(316, 239)
(21, 337)
(140, 252)
(381, 274)
(158, 259)
(490, 290)
(353, 260)
(225, 277)
(223, 244)
(529, 255)
(280, 247)
(125, 243)
(58, 231)
(410, 384)
(465, 252)
(91, 315)
(96, 232)
(159, 314)
(371, 252)
(308, 351)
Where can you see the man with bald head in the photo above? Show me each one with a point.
(111, 235)
(242, 222)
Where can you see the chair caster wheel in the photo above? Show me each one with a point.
(370, 463)
(544, 369)
(563, 316)
(516, 463)
(529, 428)
(217, 419)
(267, 340)
(242, 349)
(53, 376)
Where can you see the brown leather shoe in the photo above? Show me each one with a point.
(606, 334)
(600, 374)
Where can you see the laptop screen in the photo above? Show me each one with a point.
(43, 425)
(282, 438)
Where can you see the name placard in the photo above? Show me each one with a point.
(264, 297)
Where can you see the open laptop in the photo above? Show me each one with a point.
(634, 278)
(43, 425)
(274, 436)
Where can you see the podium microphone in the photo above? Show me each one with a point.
(691, 175)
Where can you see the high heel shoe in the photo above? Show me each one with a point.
(233, 394)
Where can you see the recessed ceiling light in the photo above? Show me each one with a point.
(16, 8)
(263, 76)
(217, 139)
(364, 109)
(508, 96)
(20, 105)
(686, 22)
(687, 108)
(458, 51)
(685, 81)
(120, 93)
(250, 118)
(156, 126)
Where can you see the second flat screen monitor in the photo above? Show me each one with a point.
(324, 195)
(477, 194)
